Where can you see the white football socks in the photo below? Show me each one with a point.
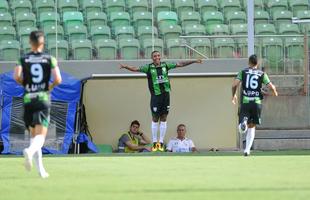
(36, 144)
(154, 131)
(162, 131)
(249, 139)
(37, 157)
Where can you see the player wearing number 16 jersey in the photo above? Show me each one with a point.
(252, 80)
(33, 72)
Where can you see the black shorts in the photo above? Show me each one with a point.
(160, 104)
(252, 111)
(36, 112)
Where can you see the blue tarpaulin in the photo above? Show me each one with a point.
(69, 91)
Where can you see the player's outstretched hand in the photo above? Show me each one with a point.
(234, 100)
(199, 61)
(122, 66)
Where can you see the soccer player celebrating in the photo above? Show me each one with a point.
(159, 86)
(252, 80)
(33, 72)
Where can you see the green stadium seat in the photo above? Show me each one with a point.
(106, 49)
(167, 18)
(147, 45)
(258, 4)
(48, 19)
(129, 48)
(235, 17)
(7, 33)
(230, 5)
(217, 29)
(187, 18)
(176, 48)
(239, 29)
(26, 47)
(82, 49)
(96, 19)
(115, 6)
(212, 17)
(124, 32)
(207, 5)
(100, 32)
(4, 7)
(72, 18)
(24, 33)
(6, 19)
(161, 5)
(265, 29)
(21, 6)
(294, 51)
(282, 17)
(224, 47)
(273, 53)
(304, 15)
(145, 32)
(202, 45)
(294, 47)
(104, 148)
(25, 20)
(68, 6)
(298, 5)
(276, 5)
(59, 49)
(91, 6)
(170, 31)
(261, 17)
(52, 31)
(184, 6)
(289, 29)
(119, 19)
(9, 50)
(76, 32)
(137, 6)
(242, 44)
(142, 18)
(194, 29)
(44, 6)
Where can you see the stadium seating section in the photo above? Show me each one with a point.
(122, 29)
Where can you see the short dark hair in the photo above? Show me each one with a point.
(136, 122)
(35, 36)
(253, 59)
(154, 52)
(180, 126)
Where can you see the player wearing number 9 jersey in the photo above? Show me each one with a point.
(33, 72)
(252, 80)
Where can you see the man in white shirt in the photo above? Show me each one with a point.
(181, 143)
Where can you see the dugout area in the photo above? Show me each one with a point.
(201, 101)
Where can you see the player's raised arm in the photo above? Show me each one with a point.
(186, 63)
(130, 68)
(234, 90)
(18, 74)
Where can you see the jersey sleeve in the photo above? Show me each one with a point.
(171, 65)
(266, 79)
(239, 76)
(144, 68)
(19, 62)
(169, 146)
(53, 62)
(124, 138)
(191, 144)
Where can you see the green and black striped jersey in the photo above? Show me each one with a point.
(157, 76)
(252, 80)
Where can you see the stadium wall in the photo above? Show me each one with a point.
(202, 103)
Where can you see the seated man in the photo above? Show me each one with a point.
(134, 140)
(181, 143)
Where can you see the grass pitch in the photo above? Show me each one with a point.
(265, 175)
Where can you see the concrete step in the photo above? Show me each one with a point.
(281, 139)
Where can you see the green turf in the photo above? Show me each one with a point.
(264, 176)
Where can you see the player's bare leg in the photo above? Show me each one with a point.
(249, 138)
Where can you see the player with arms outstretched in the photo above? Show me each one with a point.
(159, 86)
(252, 80)
(33, 72)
